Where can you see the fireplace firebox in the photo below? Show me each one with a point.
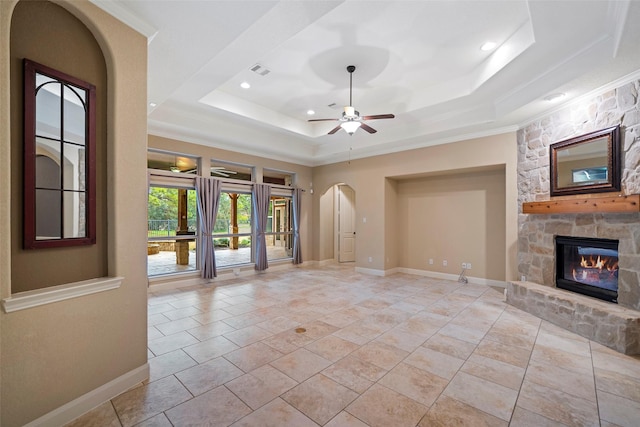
(588, 266)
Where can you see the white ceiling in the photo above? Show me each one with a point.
(420, 60)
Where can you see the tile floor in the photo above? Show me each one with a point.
(377, 351)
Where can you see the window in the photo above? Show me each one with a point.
(232, 233)
(272, 176)
(279, 235)
(59, 160)
(171, 230)
(228, 170)
(171, 162)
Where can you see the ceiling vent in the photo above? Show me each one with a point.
(259, 69)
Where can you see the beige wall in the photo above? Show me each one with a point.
(302, 174)
(376, 196)
(457, 217)
(53, 354)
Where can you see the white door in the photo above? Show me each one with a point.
(346, 224)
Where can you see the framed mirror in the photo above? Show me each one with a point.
(59, 159)
(586, 164)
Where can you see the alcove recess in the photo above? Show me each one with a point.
(585, 204)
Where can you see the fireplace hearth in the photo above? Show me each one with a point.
(588, 266)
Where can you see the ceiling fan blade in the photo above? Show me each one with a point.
(323, 120)
(334, 130)
(367, 128)
(378, 117)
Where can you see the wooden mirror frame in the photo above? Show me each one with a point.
(88, 190)
(613, 163)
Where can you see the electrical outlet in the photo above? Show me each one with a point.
(523, 278)
(370, 259)
(444, 263)
(430, 261)
(468, 266)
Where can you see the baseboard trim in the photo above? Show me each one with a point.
(83, 404)
(454, 277)
(371, 271)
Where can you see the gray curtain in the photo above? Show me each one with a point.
(261, 196)
(208, 196)
(297, 205)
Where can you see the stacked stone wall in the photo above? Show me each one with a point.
(536, 233)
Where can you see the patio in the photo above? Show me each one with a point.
(164, 262)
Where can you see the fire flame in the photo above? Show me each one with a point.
(599, 263)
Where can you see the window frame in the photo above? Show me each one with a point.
(30, 240)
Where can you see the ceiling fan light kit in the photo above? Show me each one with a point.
(351, 119)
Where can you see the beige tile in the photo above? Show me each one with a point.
(261, 386)
(448, 412)
(253, 356)
(618, 410)
(212, 316)
(209, 375)
(495, 371)
(159, 420)
(277, 413)
(182, 313)
(558, 406)
(332, 348)
(432, 361)
(523, 418)
(515, 356)
(464, 333)
(489, 397)
(168, 364)
(451, 346)
(511, 339)
(345, 419)
(402, 339)
(218, 407)
(355, 373)
(562, 342)
(357, 333)
(144, 402)
(288, 341)
(319, 398)
(561, 359)
(317, 329)
(153, 333)
(210, 349)
(170, 343)
(577, 384)
(419, 385)
(608, 359)
(382, 407)
(279, 324)
(248, 335)
(210, 330)
(300, 364)
(380, 354)
(102, 416)
(618, 384)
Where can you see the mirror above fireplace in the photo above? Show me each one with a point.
(586, 164)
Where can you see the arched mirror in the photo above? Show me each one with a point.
(59, 159)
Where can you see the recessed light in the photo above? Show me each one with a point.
(245, 85)
(153, 104)
(487, 46)
(554, 97)
(310, 112)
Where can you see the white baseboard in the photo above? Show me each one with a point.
(371, 271)
(83, 404)
(454, 277)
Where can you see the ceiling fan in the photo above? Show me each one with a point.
(351, 119)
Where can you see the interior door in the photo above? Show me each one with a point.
(346, 224)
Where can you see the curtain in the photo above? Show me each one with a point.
(208, 197)
(297, 205)
(261, 197)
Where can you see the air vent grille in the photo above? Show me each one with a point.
(259, 69)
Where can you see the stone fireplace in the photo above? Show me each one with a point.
(537, 233)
